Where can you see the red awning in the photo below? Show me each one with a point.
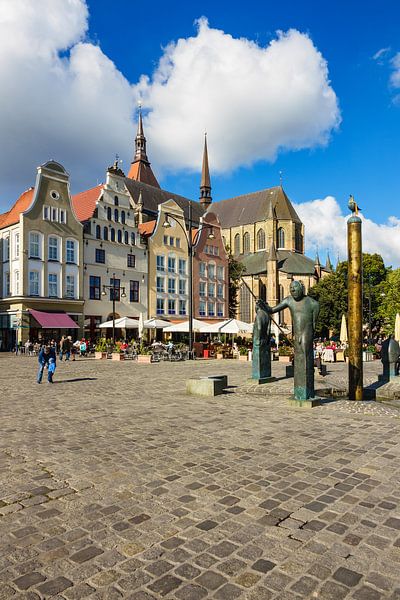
(54, 320)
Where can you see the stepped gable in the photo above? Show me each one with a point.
(254, 207)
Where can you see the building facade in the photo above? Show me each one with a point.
(168, 276)
(41, 283)
(114, 255)
(210, 271)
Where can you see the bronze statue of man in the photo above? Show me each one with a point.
(304, 311)
(261, 360)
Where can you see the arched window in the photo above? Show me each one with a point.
(126, 237)
(133, 241)
(261, 239)
(123, 217)
(105, 233)
(98, 232)
(116, 201)
(112, 234)
(281, 238)
(119, 236)
(109, 213)
(236, 245)
(116, 215)
(246, 242)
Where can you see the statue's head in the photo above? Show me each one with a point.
(261, 304)
(297, 290)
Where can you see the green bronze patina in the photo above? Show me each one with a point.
(261, 360)
(304, 311)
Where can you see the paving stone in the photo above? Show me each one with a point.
(86, 554)
(187, 571)
(165, 585)
(263, 566)
(347, 577)
(332, 591)
(367, 593)
(191, 592)
(247, 579)
(28, 580)
(55, 586)
(210, 580)
(207, 525)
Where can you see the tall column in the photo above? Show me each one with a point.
(355, 316)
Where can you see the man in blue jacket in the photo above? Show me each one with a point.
(47, 356)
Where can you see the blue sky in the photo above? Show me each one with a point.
(362, 157)
(70, 74)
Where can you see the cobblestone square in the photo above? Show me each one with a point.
(116, 484)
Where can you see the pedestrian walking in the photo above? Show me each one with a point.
(47, 358)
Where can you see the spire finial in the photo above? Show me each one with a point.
(205, 184)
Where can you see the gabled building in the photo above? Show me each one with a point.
(41, 283)
(113, 253)
(168, 281)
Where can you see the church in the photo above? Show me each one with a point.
(261, 230)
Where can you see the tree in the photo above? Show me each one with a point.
(236, 271)
(331, 292)
(390, 301)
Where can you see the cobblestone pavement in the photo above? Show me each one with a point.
(115, 484)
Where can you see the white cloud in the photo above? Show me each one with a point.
(252, 100)
(326, 229)
(381, 54)
(62, 98)
(395, 76)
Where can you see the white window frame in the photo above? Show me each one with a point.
(70, 285)
(35, 281)
(57, 246)
(16, 244)
(32, 243)
(160, 263)
(16, 283)
(74, 250)
(51, 284)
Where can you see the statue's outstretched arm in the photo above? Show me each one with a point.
(280, 306)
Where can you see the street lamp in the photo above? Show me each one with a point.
(121, 293)
(191, 242)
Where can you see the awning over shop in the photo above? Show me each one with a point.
(53, 320)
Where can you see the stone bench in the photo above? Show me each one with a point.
(206, 386)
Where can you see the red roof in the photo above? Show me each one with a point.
(147, 228)
(21, 205)
(84, 203)
(142, 171)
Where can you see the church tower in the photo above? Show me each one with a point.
(140, 166)
(205, 184)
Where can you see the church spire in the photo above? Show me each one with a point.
(140, 166)
(205, 184)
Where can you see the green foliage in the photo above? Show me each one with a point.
(144, 349)
(236, 271)
(243, 350)
(390, 301)
(102, 345)
(331, 292)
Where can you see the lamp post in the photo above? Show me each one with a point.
(191, 242)
(121, 294)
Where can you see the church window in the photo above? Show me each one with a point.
(281, 238)
(112, 234)
(245, 304)
(105, 233)
(98, 232)
(246, 242)
(119, 236)
(261, 239)
(236, 247)
(109, 213)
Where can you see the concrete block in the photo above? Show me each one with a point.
(290, 371)
(223, 378)
(311, 403)
(205, 386)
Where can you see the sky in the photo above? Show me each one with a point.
(304, 90)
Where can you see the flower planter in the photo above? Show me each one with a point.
(117, 356)
(100, 355)
(368, 356)
(285, 359)
(219, 355)
(144, 359)
(244, 357)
